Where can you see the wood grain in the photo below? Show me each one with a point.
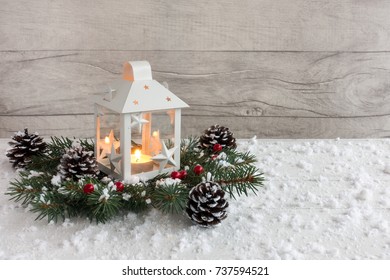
(250, 25)
(278, 95)
(275, 69)
(243, 127)
(261, 84)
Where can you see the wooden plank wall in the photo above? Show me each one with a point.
(271, 68)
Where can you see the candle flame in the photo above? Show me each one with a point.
(107, 140)
(137, 155)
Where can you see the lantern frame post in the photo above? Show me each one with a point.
(125, 146)
(97, 132)
(177, 136)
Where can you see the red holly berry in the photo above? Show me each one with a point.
(198, 169)
(183, 174)
(88, 188)
(175, 175)
(119, 186)
(217, 147)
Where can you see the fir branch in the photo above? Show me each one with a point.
(239, 180)
(21, 192)
(169, 143)
(45, 163)
(27, 188)
(60, 143)
(170, 198)
(74, 197)
(233, 170)
(68, 200)
(136, 197)
(103, 204)
(48, 161)
(87, 144)
(243, 158)
(46, 208)
(152, 182)
(189, 153)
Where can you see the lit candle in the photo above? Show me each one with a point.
(105, 145)
(140, 163)
(137, 155)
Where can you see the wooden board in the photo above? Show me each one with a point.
(214, 84)
(310, 90)
(243, 127)
(250, 25)
(280, 69)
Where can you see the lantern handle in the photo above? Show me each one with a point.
(137, 71)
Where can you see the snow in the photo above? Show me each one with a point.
(323, 199)
(56, 180)
(105, 195)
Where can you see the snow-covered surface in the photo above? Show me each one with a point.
(323, 199)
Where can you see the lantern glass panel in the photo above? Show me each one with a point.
(109, 134)
(149, 131)
(163, 131)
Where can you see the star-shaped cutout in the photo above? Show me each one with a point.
(109, 94)
(146, 87)
(165, 157)
(115, 160)
(168, 99)
(135, 102)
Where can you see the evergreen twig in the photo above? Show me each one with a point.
(233, 170)
(170, 198)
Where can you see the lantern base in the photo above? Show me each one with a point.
(152, 172)
(107, 170)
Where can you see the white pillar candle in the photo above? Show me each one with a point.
(140, 163)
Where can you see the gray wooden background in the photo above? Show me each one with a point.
(271, 68)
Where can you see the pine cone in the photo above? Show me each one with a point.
(217, 135)
(24, 147)
(77, 163)
(206, 205)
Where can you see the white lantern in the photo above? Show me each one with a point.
(138, 125)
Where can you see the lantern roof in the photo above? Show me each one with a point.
(138, 92)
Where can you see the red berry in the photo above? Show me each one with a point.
(213, 157)
(119, 186)
(183, 174)
(217, 147)
(175, 175)
(198, 169)
(88, 188)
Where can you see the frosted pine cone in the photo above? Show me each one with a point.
(23, 147)
(217, 135)
(77, 163)
(206, 205)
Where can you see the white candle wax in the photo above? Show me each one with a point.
(140, 163)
